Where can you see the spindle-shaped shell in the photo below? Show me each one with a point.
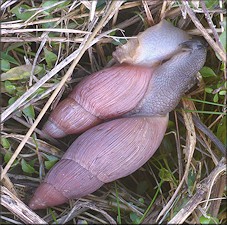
(102, 154)
(105, 94)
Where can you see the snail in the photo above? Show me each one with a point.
(117, 148)
(114, 91)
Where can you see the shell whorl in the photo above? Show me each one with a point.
(96, 157)
(102, 95)
(69, 117)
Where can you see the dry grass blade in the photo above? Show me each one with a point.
(8, 184)
(18, 208)
(189, 150)
(200, 27)
(202, 189)
(217, 193)
(211, 25)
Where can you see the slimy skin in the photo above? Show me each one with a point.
(172, 80)
(155, 44)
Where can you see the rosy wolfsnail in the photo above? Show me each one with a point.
(116, 148)
(114, 91)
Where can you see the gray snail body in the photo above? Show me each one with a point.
(117, 148)
(172, 80)
(157, 43)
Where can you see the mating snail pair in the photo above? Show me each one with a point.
(123, 112)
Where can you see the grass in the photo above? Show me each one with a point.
(47, 48)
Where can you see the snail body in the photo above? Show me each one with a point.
(155, 44)
(117, 148)
(114, 91)
(172, 80)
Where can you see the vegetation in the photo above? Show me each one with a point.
(42, 43)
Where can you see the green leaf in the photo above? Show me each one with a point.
(50, 3)
(191, 177)
(13, 46)
(21, 12)
(29, 111)
(9, 58)
(100, 4)
(9, 87)
(223, 92)
(20, 90)
(50, 157)
(223, 39)
(208, 220)
(12, 100)
(7, 156)
(5, 143)
(141, 200)
(48, 24)
(119, 42)
(134, 218)
(165, 175)
(51, 161)
(26, 167)
(215, 99)
(207, 72)
(32, 162)
(40, 91)
(5, 65)
(20, 72)
(191, 180)
(50, 164)
(221, 131)
(208, 90)
(50, 57)
(211, 3)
